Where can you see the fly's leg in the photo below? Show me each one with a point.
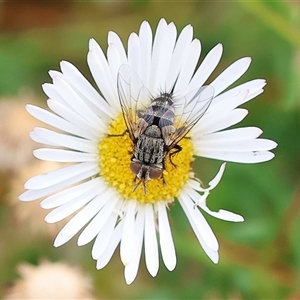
(118, 135)
(162, 174)
(115, 135)
(177, 150)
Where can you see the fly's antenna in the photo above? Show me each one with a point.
(138, 184)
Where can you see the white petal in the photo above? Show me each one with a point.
(114, 39)
(188, 68)
(63, 140)
(134, 53)
(59, 175)
(206, 68)
(231, 74)
(38, 139)
(51, 92)
(57, 122)
(132, 268)
(162, 54)
(212, 254)
(201, 226)
(127, 241)
(85, 88)
(241, 157)
(223, 214)
(254, 87)
(77, 104)
(94, 46)
(39, 193)
(179, 55)
(80, 220)
(157, 46)
(215, 181)
(94, 227)
(236, 134)
(101, 73)
(54, 73)
(71, 193)
(78, 126)
(61, 155)
(195, 184)
(103, 79)
(103, 260)
(70, 207)
(151, 250)
(114, 62)
(236, 146)
(86, 214)
(61, 239)
(228, 105)
(215, 122)
(104, 236)
(145, 35)
(165, 237)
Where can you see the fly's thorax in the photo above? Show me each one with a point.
(164, 100)
(164, 111)
(161, 111)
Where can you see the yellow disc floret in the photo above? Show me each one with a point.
(115, 153)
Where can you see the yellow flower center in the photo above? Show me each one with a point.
(115, 153)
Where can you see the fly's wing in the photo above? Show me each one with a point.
(189, 111)
(133, 96)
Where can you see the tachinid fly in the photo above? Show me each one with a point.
(156, 124)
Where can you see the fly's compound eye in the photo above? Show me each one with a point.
(155, 173)
(135, 168)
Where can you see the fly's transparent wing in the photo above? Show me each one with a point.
(134, 97)
(189, 110)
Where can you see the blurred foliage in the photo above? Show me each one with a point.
(260, 258)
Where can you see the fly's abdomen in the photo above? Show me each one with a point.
(149, 150)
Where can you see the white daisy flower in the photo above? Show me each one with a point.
(99, 186)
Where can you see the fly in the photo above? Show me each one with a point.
(157, 124)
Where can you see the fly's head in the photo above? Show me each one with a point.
(145, 172)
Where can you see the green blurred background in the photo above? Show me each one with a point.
(260, 258)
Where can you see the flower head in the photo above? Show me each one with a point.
(51, 281)
(99, 187)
